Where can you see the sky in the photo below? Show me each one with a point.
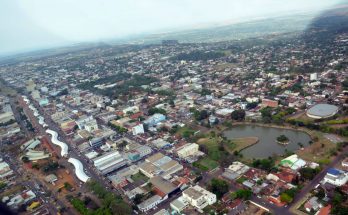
(35, 24)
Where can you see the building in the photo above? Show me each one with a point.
(5, 170)
(199, 197)
(322, 111)
(179, 204)
(224, 113)
(188, 149)
(163, 187)
(312, 204)
(150, 203)
(109, 162)
(313, 76)
(336, 177)
(269, 103)
(51, 178)
(293, 162)
(138, 129)
(155, 119)
(159, 164)
(87, 123)
(132, 110)
(96, 142)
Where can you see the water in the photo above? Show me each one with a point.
(267, 145)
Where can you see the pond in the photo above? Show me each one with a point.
(267, 145)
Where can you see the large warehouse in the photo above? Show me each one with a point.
(321, 111)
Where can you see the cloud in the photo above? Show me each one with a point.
(86, 20)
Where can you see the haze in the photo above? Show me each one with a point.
(35, 24)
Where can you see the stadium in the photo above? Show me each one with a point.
(322, 111)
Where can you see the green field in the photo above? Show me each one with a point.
(206, 164)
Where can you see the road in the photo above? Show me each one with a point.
(319, 177)
(31, 184)
(74, 153)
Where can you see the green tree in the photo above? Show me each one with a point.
(244, 194)
(218, 187)
(238, 115)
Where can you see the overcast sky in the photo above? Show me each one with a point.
(35, 24)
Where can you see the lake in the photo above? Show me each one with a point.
(267, 145)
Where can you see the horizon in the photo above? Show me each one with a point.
(91, 21)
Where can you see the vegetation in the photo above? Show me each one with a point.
(218, 187)
(238, 115)
(283, 139)
(288, 195)
(199, 115)
(265, 164)
(50, 167)
(308, 173)
(111, 203)
(152, 111)
(244, 194)
(2, 185)
(206, 164)
(118, 128)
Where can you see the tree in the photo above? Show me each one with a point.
(238, 115)
(266, 114)
(284, 197)
(138, 198)
(244, 194)
(282, 138)
(265, 164)
(25, 159)
(218, 187)
(152, 111)
(252, 105)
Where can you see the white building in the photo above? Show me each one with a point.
(336, 177)
(5, 170)
(109, 162)
(314, 76)
(199, 197)
(133, 109)
(138, 129)
(150, 203)
(188, 149)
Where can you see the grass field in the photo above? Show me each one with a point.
(319, 151)
(239, 144)
(139, 177)
(206, 164)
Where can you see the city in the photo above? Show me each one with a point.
(250, 126)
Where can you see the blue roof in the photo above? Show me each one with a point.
(333, 171)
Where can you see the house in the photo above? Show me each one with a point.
(199, 197)
(269, 103)
(5, 170)
(336, 177)
(138, 129)
(179, 204)
(155, 119)
(51, 178)
(163, 187)
(150, 203)
(293, 162)
(188, 149)
(312, 204)
(324, 211)
(345, 162)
